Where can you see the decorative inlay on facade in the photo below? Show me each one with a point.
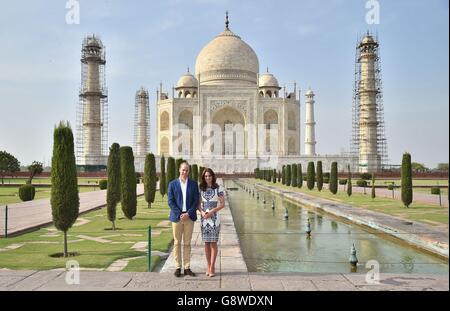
(240, 105)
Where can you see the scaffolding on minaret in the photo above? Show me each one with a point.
(92, 107)
(356, 108)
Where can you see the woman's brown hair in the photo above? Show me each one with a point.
(204, 184)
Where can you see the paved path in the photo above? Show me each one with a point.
(26, 216)
(433, 239)
(55, 280)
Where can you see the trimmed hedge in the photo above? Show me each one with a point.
(436, 190)
(366, 176)
(103, 184)
(27, 192)
(361, 183)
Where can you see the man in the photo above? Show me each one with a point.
(183, 196)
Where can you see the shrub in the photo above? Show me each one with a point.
(311, 176)
(349, 182)
(64, 199)
(103, 184)
(333, 178)
(319, 176)
(366, 176)
(27, 192)
(294, 175)
(326, 180)
(342, 181)
(406, 177)
(436, 190)
(391, 187)
(128, 182)
(113, 184)
(361, 183)
(150, 179)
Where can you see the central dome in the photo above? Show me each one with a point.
(227, 60)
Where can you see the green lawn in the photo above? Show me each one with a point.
(38, 245)
(416, 182)
(10, 195)
(426, 213)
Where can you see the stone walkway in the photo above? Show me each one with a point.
(27, 216)
(433, 239)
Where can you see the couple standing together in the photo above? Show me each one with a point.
(185, 199)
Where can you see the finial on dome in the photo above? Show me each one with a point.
(188, 69)
(267, 69)
(227, 22)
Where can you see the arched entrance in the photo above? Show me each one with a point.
(232, 125)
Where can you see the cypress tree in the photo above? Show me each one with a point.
(288, 175)
(294, 175)
(171, 172)
(113, 185)
(195, 172)
(162, 177)
(64, 199)
(190, 172)
(283, 175)
(177, 165)
(299, 176)
(333, 178)
(373, 187)
(319, 176)
(407, 190)
(274, 176)
(310, 176)
(256, 173)
(150, 179)
(128, 182)
(349, 182)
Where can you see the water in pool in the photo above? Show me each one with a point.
(270, 243)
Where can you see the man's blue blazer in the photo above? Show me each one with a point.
(175, 199)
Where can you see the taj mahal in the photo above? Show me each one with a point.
(230, 116)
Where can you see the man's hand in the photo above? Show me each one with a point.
(184, 216)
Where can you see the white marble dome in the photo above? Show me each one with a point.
(268, 80)
(187, 81)
(227, 60)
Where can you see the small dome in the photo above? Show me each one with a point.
(142, 92)
(268, 80)
(187, 80)
(368, 39)
(93, 42)
(309, 93)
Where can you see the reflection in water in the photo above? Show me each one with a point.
(271, 243)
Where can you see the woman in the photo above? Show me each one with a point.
(210, 203)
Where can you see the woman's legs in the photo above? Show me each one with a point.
(208, 256)
(213, 257)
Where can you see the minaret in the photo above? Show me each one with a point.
(141, 127)
(310, 124)
(369, 160)
(93, 98)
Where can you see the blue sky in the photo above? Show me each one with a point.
(307, 41)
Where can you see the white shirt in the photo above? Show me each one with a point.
(184, 190)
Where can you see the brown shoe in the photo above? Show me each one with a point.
(188, 272)
(177, 273)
